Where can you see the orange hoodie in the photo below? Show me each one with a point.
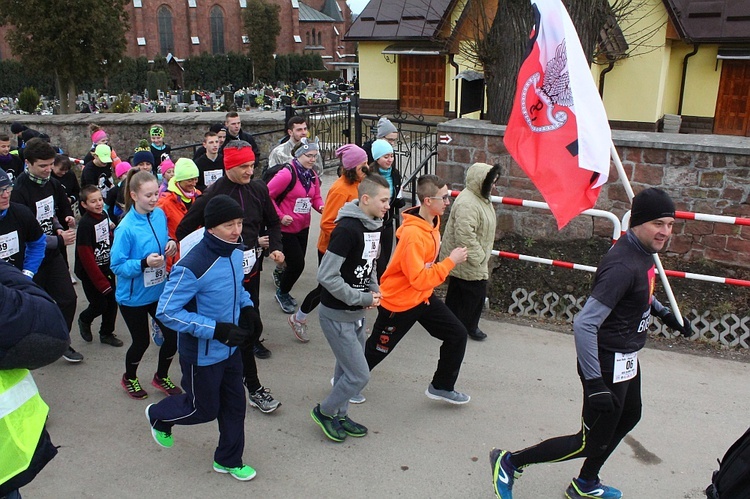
(340, 193)
(413, 272)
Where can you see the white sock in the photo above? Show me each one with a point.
(301, 316)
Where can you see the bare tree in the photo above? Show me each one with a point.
(500, 45)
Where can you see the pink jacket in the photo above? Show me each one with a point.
(300, 220)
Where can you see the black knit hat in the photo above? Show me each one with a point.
(649, 205)
(17, 127)
(218, 127)
(221, 209)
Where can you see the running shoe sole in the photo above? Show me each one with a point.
(228, 471)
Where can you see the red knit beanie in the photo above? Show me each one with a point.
(236, 156)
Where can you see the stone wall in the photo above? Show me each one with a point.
(703, 173)
(125, 130)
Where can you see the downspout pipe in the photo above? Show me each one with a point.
(455, 99)
(604, 72)
(684, 76)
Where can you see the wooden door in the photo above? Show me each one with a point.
(422, 84)
(733, 104)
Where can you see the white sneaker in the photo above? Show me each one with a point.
(357, 399)
(299, 328)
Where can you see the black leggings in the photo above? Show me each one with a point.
(312, 300)
(136, 318)
(600, 433)
(295, 247)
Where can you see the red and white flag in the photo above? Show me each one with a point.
(558, 130)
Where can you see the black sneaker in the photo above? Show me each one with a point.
(72, 356)
(85, 330)
(352, 428)
(110, 339)
(260, 351)
(329, 424)
(477, 334)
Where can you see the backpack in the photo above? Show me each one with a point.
(271, 172)
(732, 479)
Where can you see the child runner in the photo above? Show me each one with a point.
(138, 258)
(349, 283)
(166, 170)
(93, 245)
(115, 201)
(407, 287)
(143, 158)
(159, 149)
(194, 303)
(382, 153)
(344, 189)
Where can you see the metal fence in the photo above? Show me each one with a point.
(331, 123)
(417, 141)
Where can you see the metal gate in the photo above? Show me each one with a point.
(417, 141)
(331, 123)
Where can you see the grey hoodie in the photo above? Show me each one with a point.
(348, 272)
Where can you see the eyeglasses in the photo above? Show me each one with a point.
(311, 156)
(6, 190)
(446, 198)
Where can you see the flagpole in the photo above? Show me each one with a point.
(662, 275)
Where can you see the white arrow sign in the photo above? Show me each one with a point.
(445, 139)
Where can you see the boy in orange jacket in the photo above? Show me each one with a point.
(407, 292)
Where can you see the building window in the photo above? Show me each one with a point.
(320, 39)
(217, 30)
(166, 35)
(308, 38)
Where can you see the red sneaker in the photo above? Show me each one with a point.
(165, 384)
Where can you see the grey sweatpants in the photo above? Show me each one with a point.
(347, 340)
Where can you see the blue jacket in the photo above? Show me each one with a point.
(136, 237)
(204, 287)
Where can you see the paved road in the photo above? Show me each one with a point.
(524, 388)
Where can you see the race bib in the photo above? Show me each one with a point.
(154, 275)
(372, 245)
(101, 231)
(626, 366)
(45, 209)
(302, 206)
(9, 245)
(211, 176)
(248, 261)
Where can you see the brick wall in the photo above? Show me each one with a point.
(697, 124)
(189, 21)
(702, 173)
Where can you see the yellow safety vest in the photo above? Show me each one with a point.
(22, 417)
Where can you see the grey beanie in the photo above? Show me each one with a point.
(385, 127)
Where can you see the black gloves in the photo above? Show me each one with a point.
(229, 334)
(671, 321)
(601, 399)
(250, 320)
